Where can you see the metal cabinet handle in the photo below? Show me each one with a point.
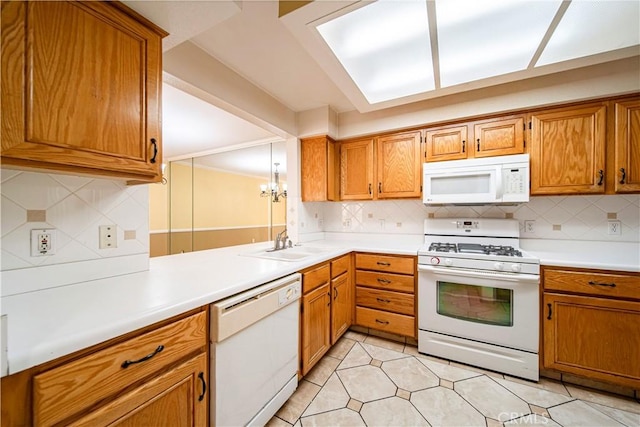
(335, 293)
(601, 177)
(478, 144)
(379, 187)
(204, 386)
(155, 150)
(384, 281)
(126, 363)
(610, 285)
(463, 143)
(383, 300)
(624, 175)
(369, 188)
(549, 312)
(384, 264)
(383, 322)
(329, 303)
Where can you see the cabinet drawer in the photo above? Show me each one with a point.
(392, 264)
(593, 283)
(385, 300)
(75, 386)
(339, 266)
(391, 282)
(385, 321)
(314, 278)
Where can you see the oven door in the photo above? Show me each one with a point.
(494, 308)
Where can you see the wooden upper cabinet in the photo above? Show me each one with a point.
(320, 165)
(627, 146)
(81, 89)
(356, 170)
(399, 168)
(499, 137)
(568, 150)
(447, 143)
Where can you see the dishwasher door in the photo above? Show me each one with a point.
(255, 352)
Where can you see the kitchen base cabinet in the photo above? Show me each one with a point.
(385, 293)
(342, 297)
(142, 378)
(591, 324)
(316, 326)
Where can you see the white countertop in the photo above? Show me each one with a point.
(47, 324)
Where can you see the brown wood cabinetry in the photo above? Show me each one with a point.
(356, 170)
(385, 293)
(149, 378)
(568, 150)
(396, 173)
(591, 324)
(320, 167)
(493, 137)
(327, 306)
(81, 89)
(627, 146)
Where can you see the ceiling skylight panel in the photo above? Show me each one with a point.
(592, 27)
(478, 40)
(384, 47)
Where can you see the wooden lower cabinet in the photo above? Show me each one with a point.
(385, 293)
(591, 325)
(158, 376)
(326, 310)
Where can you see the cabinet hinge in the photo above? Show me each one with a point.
(301, 308)
(524, 126)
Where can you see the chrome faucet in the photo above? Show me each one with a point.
(280, 241)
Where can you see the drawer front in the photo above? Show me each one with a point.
(385, 300)
(390, 282)
(385, 321)
(314, 278)
(593, 283)
(75, 386)
(387, 263)
(339, 266)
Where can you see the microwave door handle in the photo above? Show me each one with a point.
(499, 187)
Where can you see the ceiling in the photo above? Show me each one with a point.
(288, 59)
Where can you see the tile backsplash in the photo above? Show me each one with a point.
(554, 217)
(74, 206)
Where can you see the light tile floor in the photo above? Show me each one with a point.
(369, 381)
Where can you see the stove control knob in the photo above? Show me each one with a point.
(435, 260)
(498, 265)
(448, 261)
(516, 268)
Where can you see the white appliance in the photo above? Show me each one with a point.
(489, 180)
(478, 296)
(254, 355)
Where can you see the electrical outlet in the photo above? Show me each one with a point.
(108, 237)
(43, 242)
(613, 228)
(347, 223)
(530, 226)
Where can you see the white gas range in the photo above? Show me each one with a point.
(478, 295)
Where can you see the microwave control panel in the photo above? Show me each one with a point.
(514, 180)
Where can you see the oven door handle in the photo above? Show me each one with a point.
(515, 277)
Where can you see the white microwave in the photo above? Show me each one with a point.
(485, 181)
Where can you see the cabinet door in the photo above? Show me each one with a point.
(448, 143)
(179, 397)
(81, 86)
(399, 169)
(341, 306)
(627, 146)
(316, 326)
(499, 137)
(567, 151)
(593, 337)
(356, 170)
(319, 165)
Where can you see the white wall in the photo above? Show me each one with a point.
(75, 206)
(556, 217)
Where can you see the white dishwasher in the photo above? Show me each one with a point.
(255, 352)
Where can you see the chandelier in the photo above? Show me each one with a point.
(273, 189)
